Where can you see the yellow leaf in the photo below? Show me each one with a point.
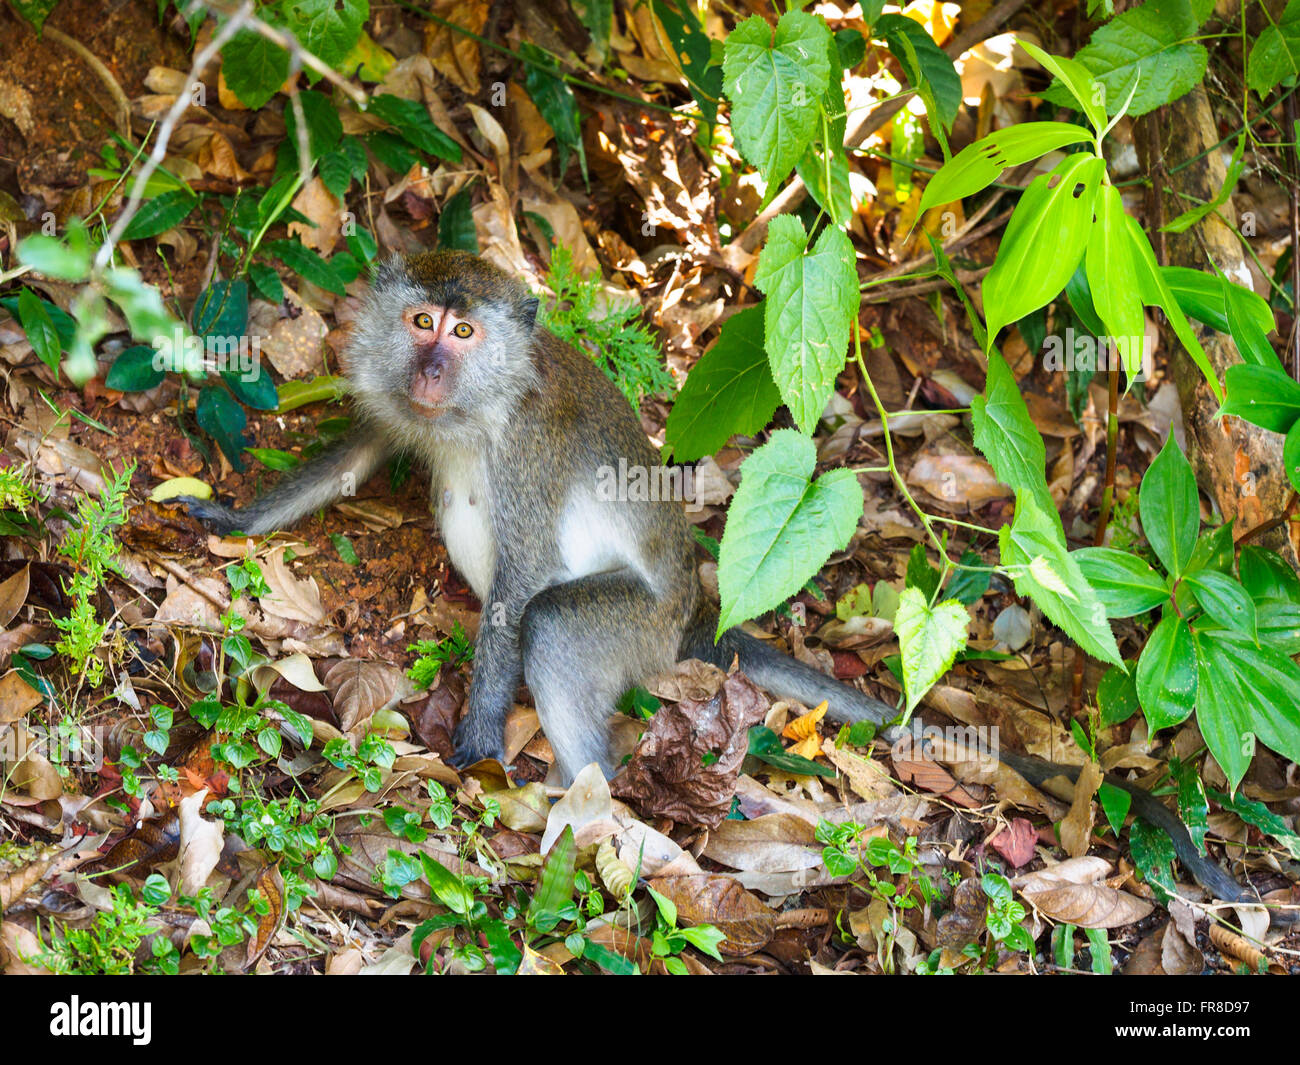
(804, 726)
(180, 486)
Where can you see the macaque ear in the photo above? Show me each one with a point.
(528, 311)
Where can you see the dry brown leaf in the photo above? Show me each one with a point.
(523, 809)
(775, 843)
(13, 594)
(293, 346)
(1076, 828)
(455, 55)
(587, 802)
(201, 841)
(292, 598)
(1016, 842)
(723, 903)
(956, 479)
(670, 773)
(320, 206)
(16, 697)
(359, 688)
(866, 776)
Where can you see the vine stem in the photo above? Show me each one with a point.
(889, 452)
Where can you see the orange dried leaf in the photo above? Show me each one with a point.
(805, 726)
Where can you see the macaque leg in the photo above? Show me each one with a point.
(584, 643)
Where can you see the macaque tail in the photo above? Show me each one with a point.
(788, 678)
(337, 471)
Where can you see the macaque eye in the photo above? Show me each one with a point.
(423, 321)
(463, 330)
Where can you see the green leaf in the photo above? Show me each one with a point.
(765, 745)
(1006, 435)
(1267, 575)
(1145, 47)
(1279, 625)
(1201, 295)
(1275, 55)
(1166, 674)
(1193, 807)
(329, 29)
(556, 102)
(253, 388)
(1117, 696)
(927, 67)
(253, 67)
(1267, 687)
(224, 420)
(505, 955)
(1112, 280)
(1123, 582)
(555, 887)
(1168, 506)
(729, 391)
(446, 886)
(1115, 803)
(1153, 854)
(811, 300)
(221, 310)
(324, 126)
(1291, 455)
(1214, 550)
(39, 327)
(1043, 242)
(928, 639)
(774, 80)
(1259, 815)
(1225, 600)
(613, 963)
(920, 574)
(1266, 396)
(693, 51)
(35, 11)
(1223, 708)
(411, 120)
(1077, 81)
(266, 281)
(978, 165)
(345, 549)
(782, 526)
(134, 370)
(1033, 549)
(308, 264)
(391, 150)
(66, 260)
(322, 388)
(456, 230)
(1156, 293)
(967, 586)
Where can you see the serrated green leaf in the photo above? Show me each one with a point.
(782, 526)
(811, 301)
(308, 264)
(1032, 548)
(329, 29)
(774, 80)
(1275, 55)
(928, 639)
(411, 120)
(253, 67)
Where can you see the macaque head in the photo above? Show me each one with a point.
(442, 342)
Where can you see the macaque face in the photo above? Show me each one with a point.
(442, 339)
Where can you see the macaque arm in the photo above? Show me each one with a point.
(337, 471)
